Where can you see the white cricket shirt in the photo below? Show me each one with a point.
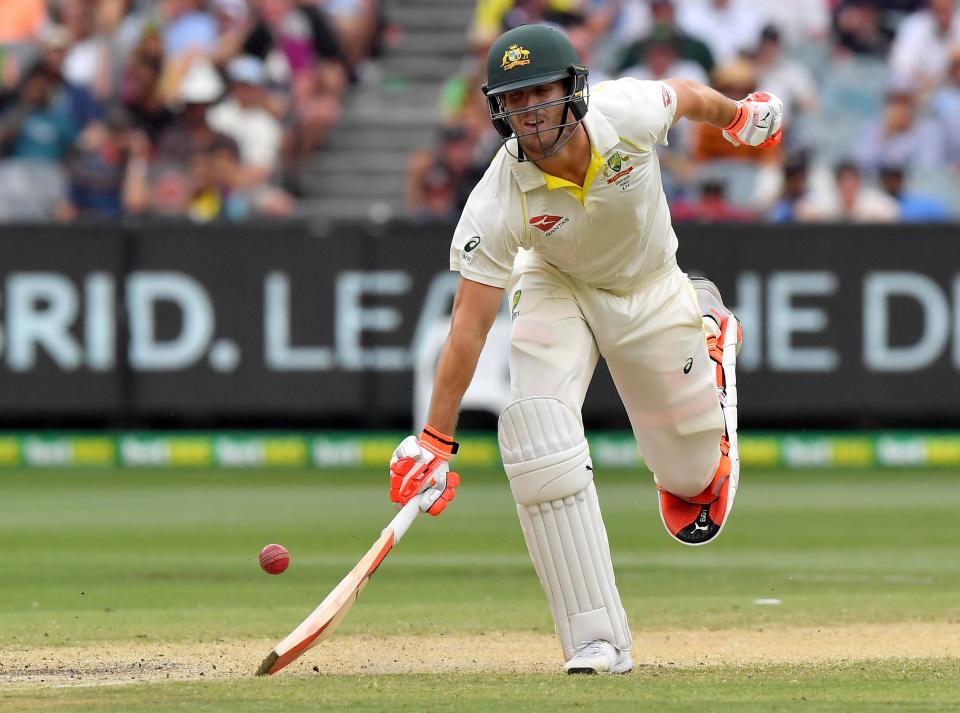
(612, 233)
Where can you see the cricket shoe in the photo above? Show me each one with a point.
(699, 519)
(599, 657)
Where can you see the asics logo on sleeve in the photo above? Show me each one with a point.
(472, 243)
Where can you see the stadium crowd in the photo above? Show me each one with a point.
(871, 88)
(194, 109)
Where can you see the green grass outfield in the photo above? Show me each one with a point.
(98, 560)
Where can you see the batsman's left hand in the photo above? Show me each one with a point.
(758, 121)
(422, 465)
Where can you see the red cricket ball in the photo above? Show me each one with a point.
(274, 559)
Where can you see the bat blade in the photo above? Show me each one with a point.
(322, 622)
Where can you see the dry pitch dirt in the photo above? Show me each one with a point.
(117, 662)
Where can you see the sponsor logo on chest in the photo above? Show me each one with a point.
(548, 224)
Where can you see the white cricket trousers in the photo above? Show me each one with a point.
(654, 344)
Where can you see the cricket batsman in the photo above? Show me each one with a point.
(571, 219)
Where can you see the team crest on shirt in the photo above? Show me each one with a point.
(617, 171)
(515, 56)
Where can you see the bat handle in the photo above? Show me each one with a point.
(403, 519)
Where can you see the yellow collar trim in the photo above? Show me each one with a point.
(578, 192)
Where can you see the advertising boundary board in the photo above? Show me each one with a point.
(289, 326)
(337, 450)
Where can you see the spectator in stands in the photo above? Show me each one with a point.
(494, 16)
(483, 140)
(914, 207)
(161, 190)
(141, 95)
(243, 116)
(618, 24)
(779, 74)
(190, 134)
(946, 105)
(858, 29)
(77, 101)
(921, 48)
(729, 27)
(87, 60)
(852, 201)
(35, 128)
(799, 22)
(208, 195)
(686, 47)
(442, 173)
(900, 135)
(660, 59)
(239, 199)
(301, 39)
(437, 195)
(358, 24)
(96, 167)
(35, 134)
(711, 207)
(790, 207)
(581, 36)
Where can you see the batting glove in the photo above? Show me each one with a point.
(758, 122)
(422, 465)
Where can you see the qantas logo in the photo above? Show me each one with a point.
(545, 222)
(549, 224)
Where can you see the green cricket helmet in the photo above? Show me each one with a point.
(526, 56)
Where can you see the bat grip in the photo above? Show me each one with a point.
(403, 519)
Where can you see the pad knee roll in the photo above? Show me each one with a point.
(547, 460)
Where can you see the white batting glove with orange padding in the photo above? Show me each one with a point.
(758, 122)
(422, 465)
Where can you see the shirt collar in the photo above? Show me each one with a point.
(602, 137)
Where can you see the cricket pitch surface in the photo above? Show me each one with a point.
(119, 662)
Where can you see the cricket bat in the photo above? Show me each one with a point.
(321, 623)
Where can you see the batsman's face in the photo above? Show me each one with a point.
(536, 128)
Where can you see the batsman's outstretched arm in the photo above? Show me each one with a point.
(475, 308)
(756, 120)
(422, 465)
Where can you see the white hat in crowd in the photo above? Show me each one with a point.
(201, 84)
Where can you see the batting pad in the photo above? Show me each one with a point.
(547, 461)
